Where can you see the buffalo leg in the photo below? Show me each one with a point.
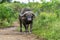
(27, 28)
(20, 24)
(20, 27)
(24, 26)
(31, 27)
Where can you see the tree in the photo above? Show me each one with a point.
(9, 0)
(2, 1)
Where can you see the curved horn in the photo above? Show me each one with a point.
(28, 12)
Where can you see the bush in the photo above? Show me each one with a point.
(7, 15)
(45, 18)
(43, 25)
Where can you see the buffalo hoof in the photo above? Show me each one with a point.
(20, 30)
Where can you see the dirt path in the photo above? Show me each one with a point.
(12, 34)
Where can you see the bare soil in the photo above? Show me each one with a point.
(12, 34)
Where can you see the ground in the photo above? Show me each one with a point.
(12, 34)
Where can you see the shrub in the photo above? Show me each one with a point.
(7, 15)
(43, 25)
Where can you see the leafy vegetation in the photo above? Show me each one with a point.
(7, 15)
(47, 26)
(46, 23)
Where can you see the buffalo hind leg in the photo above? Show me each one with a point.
(20, 27)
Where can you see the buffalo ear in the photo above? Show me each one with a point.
(33, 15)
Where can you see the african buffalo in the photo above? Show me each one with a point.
(26, 20)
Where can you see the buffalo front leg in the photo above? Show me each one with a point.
(27, 28)
(20, 24)
(24, 26)
(30, 27)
